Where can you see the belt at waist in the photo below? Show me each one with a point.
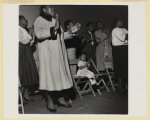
(42, 40)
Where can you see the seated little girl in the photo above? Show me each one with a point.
(83, 71)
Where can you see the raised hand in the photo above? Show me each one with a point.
(57, 24)
(56, 27)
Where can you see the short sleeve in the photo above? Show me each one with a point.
(24, 37)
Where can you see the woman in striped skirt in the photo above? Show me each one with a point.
(28, 73)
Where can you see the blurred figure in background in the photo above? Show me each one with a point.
(100, 37)
(120, 53)
(89, 43)
(108, 50)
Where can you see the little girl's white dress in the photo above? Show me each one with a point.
(86, 72)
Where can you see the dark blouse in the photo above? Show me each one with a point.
(74, 42)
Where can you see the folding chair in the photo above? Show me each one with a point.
(108, 64)
(82, 80)
(87, 88)
(99, 76)
(110, 75)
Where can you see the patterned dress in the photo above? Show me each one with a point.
(100, 49)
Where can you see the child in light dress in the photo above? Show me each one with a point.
(83, 66)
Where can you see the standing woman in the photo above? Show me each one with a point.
(54, 72)
(28, 73)
(120, 53)
(89, 43)
(108, 50)
(100, 37)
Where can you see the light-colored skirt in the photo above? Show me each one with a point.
(54, 72)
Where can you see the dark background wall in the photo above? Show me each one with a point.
(80, 13)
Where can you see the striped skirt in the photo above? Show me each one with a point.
(28, 73)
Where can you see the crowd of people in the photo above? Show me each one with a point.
(50, 72)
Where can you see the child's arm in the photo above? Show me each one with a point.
(82, 66)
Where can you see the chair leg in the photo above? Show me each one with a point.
(77, 89)
(112, 84)
(105, 85)
(86, 85)
(110, 80)
(22, 107)
(102, 80)
(92, 89)
(99, 92)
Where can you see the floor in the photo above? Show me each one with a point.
(107, 103)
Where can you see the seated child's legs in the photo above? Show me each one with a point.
(92, 81)
(90, 74)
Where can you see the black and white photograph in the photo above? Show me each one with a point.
(73, 59)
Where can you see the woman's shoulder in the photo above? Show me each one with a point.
(22, 30)
(116, 29)
(53, 19)
(39, 18)
(96, 31)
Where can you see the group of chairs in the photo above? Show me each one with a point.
(86, 85)
(84, 81)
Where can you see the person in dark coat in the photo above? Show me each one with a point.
(89, 43)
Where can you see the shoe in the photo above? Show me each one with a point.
(50, 109)
(25, 103)
(64, 105)
(28, 100)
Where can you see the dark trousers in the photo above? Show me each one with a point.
(120, 59)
